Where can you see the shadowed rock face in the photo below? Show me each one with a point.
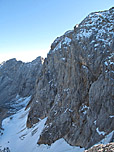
(17, 78)
(75, 89)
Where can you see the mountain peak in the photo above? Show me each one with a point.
(72, 89)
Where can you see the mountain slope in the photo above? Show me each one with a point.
(17, 79)
(17, 138)
(75, 89)
(70, 95)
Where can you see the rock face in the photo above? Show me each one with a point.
(5, 150)
(102, 148)
(75, 89)
(17, 79)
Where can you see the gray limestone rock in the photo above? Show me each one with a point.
(75, 89)
(102, 148)
(17, 79)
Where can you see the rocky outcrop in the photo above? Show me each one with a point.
(75, 89)
(5, 150)
(17, 79)
(102, 148)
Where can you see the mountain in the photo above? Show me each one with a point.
(16, 137)
(76, 87)
(17, 79)
(72, 91)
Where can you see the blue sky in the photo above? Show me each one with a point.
(28, 27)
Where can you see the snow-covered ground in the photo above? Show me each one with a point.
(107, 139)
(19, 138)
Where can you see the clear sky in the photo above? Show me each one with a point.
(28, 27)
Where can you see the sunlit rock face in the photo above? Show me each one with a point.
(102, 148)
(75, 88)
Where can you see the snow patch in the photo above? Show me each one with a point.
(100, 24)
(67, 41)
(63, 59)
(106, 63)
(67, 109)
(100, 132)
(57, 47)
(111, 116)
(84, 67)
(67, 89)
(107, 139)
(94, 122)
(18, 137)
(84, 109)
(18, 103)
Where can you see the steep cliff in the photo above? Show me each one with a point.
(17, 79)
(75, 88)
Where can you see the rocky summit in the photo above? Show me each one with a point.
(73, 89)
(17, 79)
